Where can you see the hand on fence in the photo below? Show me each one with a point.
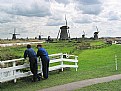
(2, 65)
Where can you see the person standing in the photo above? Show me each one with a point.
(29, 52)
(43, 54)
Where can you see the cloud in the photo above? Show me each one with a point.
(88, 2)
(55, 20)
(54, 23)
(113, 16)
(93, 7)
(63, 1)
(82, 19)
(6, 18)
(33, 16)
(37, 9)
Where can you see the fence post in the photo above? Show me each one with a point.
(14, 71)
(76, 62)
(0, 69)
(116, 62)
(62, 62)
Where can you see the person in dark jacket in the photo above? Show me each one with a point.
(29, 52)
(43, 54)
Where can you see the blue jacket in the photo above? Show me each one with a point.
(43, 54)
(30, 53)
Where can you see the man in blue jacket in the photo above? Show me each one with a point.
(29, 52)
(42, 53)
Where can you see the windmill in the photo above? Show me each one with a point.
(14, 34)
(96, 34)
(40, 36)
(83, 35)
(64, 32)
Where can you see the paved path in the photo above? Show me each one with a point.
(79, 84)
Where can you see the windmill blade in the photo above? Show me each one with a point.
(97, 29)
(68, 33)
(14, 30)
(65, 19)
(17, 34)
(84, 32)
(58, 34)
(41, 35)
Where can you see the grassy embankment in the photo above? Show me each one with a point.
(92, 63)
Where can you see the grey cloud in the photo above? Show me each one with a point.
(63, 1)
(4, 21)
(56, 20)
(54, 23)
(113, 16)
(92, 9)
(89, 6)
(89, 2)
(35, 9)
(5, 18)
(83, 20)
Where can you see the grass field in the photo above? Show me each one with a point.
(92, 63)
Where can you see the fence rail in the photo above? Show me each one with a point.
(13, 71)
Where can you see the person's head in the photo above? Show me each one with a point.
(28, 46)
(39, 45)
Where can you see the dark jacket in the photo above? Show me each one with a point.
(43, 54)
(30, 53)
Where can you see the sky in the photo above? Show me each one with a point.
(33, 17)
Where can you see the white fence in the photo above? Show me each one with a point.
(13, 70)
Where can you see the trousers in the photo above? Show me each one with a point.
(34, 68)
(45, 67)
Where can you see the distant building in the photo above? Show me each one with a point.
(64, 33)
(96, 35)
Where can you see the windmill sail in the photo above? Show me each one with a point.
(14, 34)
(58, 34)
(66, 20)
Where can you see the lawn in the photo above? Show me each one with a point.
(92, 63)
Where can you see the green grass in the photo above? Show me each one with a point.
(92, 63)
(107, 86)
(96, 42)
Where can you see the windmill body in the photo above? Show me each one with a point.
(64, 32)
(40, 36)
(14, 35)
(83, 35)
(96, 34)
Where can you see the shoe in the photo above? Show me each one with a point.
(39, 78)
(33, 80)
